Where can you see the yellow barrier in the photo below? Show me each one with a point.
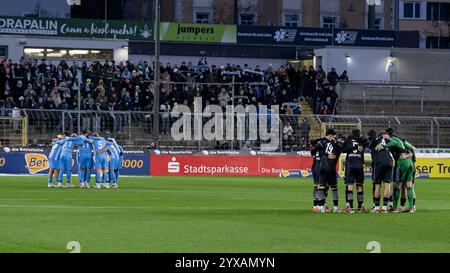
(425, 167)
(435, 167)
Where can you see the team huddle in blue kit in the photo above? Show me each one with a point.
(104, 155)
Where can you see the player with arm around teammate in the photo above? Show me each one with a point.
(354, 146)
(382, 171)
(120, 162)
(331, 150)
(85, 162)
(317, 155)
(100, 160)
(113, 163)
(65, 161)
(404, 151)
(53, 160)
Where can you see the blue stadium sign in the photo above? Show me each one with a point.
(322, 37)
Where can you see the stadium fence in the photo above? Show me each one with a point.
(36, 127)
(394, 98)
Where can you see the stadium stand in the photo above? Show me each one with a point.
(118, 99)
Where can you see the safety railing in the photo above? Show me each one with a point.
(246, 131)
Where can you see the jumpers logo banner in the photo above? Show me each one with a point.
(208, 33)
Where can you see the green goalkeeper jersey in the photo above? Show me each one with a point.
(398, 147)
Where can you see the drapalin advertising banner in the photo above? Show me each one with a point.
(37, 163)
(209, 33)
(187, 165)
(112, 29)
(325, 36)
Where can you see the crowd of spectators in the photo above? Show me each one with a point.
(126, 86)
(108, 86)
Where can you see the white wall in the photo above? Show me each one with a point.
(202, 3)
(121, 55)
(46, 8)
(292, 5)
(363, 64)
(16, 44)
(264, 63)
(330, 7)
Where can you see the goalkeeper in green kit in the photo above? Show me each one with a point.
(403, 153)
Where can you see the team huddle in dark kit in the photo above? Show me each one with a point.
(393, 161)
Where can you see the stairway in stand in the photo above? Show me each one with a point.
(307, 112)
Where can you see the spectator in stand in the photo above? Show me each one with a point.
(327, 108)
(223, 98)
(321, 72)
(302, 76)
(127, 101)
(304, 129)
(2, 108)
(16, 115)
(88, 103)
(164, 111)
(292, 77)
(288, 135)
(343, 77)
(333, 77)
(310, 83)
(102, 100)
(30, 84)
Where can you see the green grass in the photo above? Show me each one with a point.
(209, 214)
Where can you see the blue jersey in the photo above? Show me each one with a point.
(112, 150)
(69, 143)
(101, 161)
(98, 144)
(120, 150)
(53, 157)
(85, 156)
(114, 156)
(85, 150)
(55, 152)
(65, 160)
(118, 147)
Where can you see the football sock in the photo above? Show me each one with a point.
(377, 201)
(347, 200)
(360, 196)
(414, 201)
(321, 197)
(385, 201)
(98, 178)
(112, 177)
(117, 175)
(410, 198)
(350, 198)
(69, 176)
(402, 201)
(106, 177)
(81, 175)
(315, 197)
(50, 180)
(396, 196)
(373, 192)
(335, 197)
(60, 176)
(87, 176)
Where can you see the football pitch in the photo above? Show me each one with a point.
(210, 214)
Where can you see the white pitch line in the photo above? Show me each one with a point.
(84, 200)
(149, 208)
(1, 199)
